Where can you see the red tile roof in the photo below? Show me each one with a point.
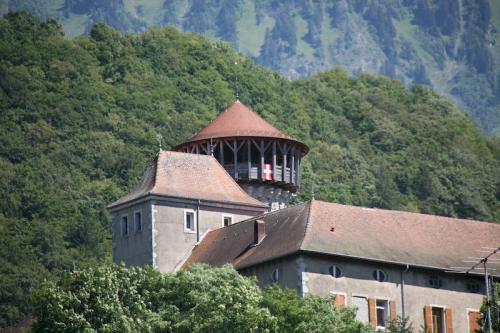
(240, 121)
(373, 234)
(191, 176)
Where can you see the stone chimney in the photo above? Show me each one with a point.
(259, 231)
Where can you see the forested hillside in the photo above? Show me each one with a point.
(79, 118)
(450, 45)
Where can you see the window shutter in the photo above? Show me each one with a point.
(449, 320)
(474, 318)
(428, 318)
(339, 301)
(392, 311)
(372, 312)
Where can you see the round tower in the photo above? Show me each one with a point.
(264, 161)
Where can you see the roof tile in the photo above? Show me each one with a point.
(239, 121)
(191, 176)
(373, 234)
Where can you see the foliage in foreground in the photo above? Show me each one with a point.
(118, 299)
(78, 124)
(309, 314)
(494, 310)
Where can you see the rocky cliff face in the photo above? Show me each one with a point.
(450, 45)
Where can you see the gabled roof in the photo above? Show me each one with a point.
(240, 121)
(190, 176)
(365, 233)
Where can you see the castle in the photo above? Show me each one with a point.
(223, 197)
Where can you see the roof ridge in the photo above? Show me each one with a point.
(309, 204)
(393, 211)
(156, 162)
(254, 218)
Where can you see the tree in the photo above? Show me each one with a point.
(114, 298)
(310, 313)
(118, 299)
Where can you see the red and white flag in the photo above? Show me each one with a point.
(268, 172)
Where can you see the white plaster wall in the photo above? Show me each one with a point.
(172, 243)
(134, 249)
(357, 279)
(308, 274)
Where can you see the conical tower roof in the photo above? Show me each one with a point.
(240, 121)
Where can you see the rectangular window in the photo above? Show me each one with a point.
(189, 221)
(227, 220)
(382, 307)
(124, 226)
(138, 221)
(437, 320)
(361, 303)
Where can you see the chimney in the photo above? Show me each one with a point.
(259, 231)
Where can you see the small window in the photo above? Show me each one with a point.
(189, 221)
(138, 221)
(124, 226)
(379, 275)
(473, 287)
(275, 275)
(435, 282)
(335, 271)
(382, 307)
(227, 220)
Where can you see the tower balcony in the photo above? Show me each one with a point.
(254, 173)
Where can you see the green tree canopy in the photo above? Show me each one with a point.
(118, 299)
(79, 118)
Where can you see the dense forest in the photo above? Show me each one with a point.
(79, 119)
(451, 45)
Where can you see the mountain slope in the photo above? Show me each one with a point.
(450, 45)
(79, 118)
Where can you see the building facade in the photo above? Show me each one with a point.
(223, 198)
(179, 198)
(385, 263)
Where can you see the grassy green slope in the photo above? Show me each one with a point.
(79, 118)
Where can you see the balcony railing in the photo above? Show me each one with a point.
(256, 172)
